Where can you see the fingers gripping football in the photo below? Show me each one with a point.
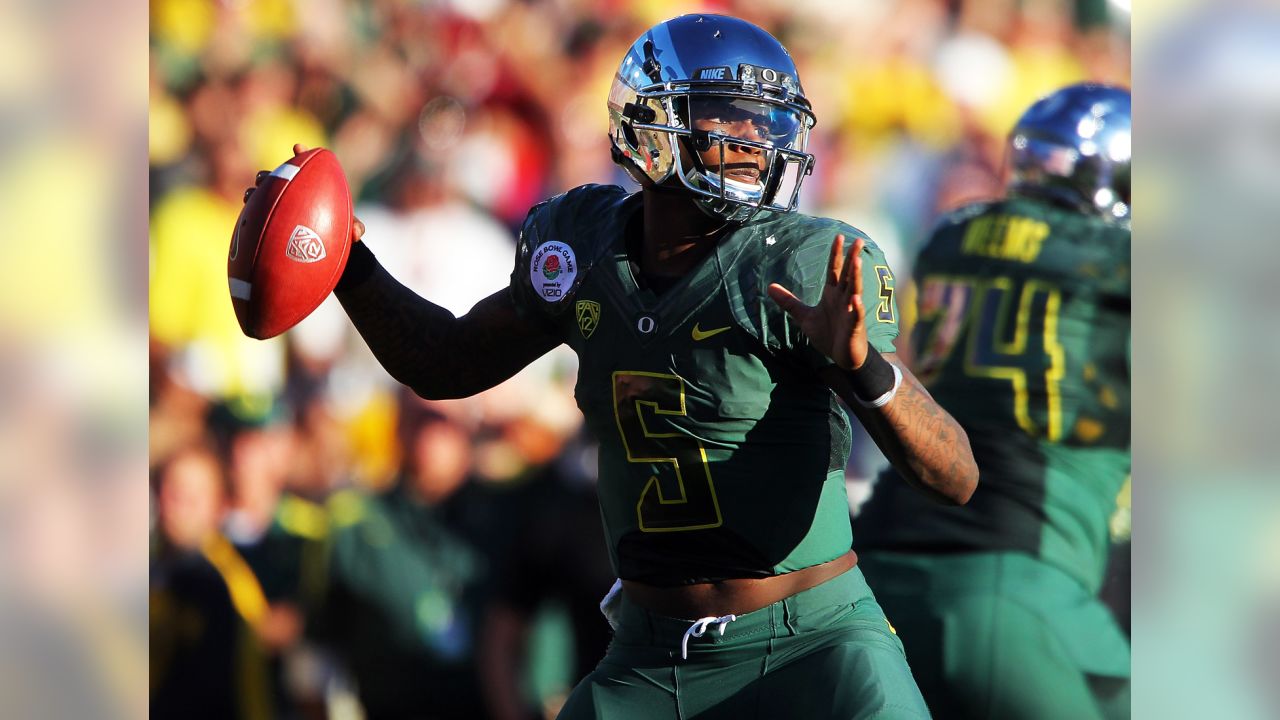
(357, 227)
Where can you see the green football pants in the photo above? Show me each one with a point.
(1003, 636)
(827, 652)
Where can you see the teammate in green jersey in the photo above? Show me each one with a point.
(1023, 335)
(713, 325)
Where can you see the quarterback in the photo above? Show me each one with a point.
(1023, 335)
(716, 330)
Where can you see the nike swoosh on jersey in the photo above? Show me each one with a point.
(699, 334)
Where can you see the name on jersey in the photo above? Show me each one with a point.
(1006, 237)
(552, 270)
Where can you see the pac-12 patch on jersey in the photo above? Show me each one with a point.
(552, 270)
(588, 312)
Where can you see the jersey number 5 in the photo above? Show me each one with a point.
(884, 311)
(679, 495)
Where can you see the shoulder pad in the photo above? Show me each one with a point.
(560, 240)
(954, 221)
(802, 249)
(792, 250)
(964, 214)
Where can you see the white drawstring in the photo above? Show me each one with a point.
(699, 628)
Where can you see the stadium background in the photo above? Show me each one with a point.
(73, 358)
(451, 119)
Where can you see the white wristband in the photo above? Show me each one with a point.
(885, 398)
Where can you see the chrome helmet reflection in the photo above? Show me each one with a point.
(713, 83)
(1073, 147)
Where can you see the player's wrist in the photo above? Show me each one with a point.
(876, 381)
(360, 266)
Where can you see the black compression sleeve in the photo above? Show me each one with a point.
(360, 265)
(404, 331)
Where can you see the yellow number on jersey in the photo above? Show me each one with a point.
(679, 497)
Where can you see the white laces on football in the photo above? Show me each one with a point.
(699, 628)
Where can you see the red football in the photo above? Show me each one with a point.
(290, 244)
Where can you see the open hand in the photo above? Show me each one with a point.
(357, 227)
(836, 325)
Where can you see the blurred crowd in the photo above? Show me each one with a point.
(325, 544)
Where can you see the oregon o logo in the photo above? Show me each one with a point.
(646, 324)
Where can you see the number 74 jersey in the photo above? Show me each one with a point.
(722, 454)
(1022, 334)
(1023, 322)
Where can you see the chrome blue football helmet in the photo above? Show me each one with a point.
(1073, 147)
(718, 72)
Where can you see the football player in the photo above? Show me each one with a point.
(1023, 335)
(716, 328)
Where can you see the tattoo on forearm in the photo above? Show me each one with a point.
(935, 446)
(925, 444)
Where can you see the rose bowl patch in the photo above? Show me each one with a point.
(552, 270)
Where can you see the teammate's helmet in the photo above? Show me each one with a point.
(1072, 147)
(711, 67)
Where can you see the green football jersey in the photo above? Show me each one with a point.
(722, 453)
(1023, 336)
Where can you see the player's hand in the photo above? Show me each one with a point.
(357, 227)
(836, 325)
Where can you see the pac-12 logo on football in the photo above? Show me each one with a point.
(552, 270)
(305, 245)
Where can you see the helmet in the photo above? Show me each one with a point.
(1072, 147)
(711, 82)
